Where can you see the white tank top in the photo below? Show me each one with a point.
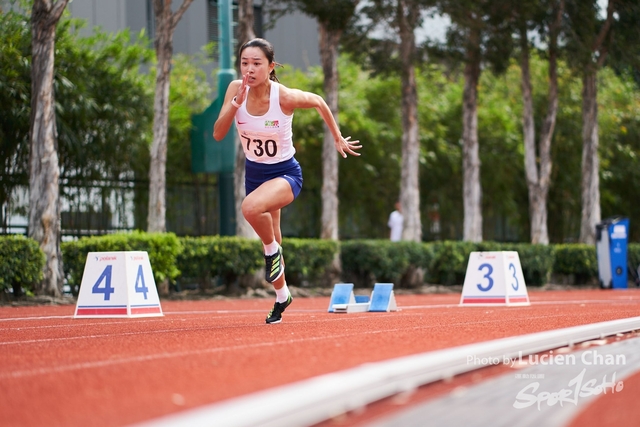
(267, 138)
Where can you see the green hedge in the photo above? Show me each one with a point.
(575, 259)
(228, 258)
(536, 260)
(21, 264)
(365, 262)
(204, 258)
(163, 250)
(308, 260)
(449, 265)
(451, 259)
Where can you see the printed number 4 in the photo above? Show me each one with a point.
(107, 289)
(140, 286)
(487, 276)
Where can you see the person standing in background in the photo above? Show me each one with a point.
(395, 223)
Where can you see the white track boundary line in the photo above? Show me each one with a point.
(317, 399)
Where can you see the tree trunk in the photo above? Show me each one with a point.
(472, 191)
(156, 219)
(590, 160)
(166, 22)
(44, 169)
(329, 40)
(245, 33)
(591, 214)
(538, 180)
(245, 22)
(409, 181)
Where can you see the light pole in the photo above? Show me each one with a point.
(226, 199)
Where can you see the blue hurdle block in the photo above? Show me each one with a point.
(342, 294)
(362, 299)
(382, 298)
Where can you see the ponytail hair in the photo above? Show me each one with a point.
(267, 49)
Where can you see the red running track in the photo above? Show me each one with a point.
(61, 371)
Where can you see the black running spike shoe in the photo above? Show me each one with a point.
(274, 266)
(275, 315)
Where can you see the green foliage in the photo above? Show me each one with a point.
(450, 261)
(369, 111)
(21, 264)
(190, 93)
(163, 250)
(103, 107)
(104, 104)
(536, 260)
(365, 262)
(307, 260)
(577, 259)
(620, 148)
(226, 257)
(15, 99)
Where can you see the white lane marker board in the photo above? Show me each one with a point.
(118, 284)
(494, 278)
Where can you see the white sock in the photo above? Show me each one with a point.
(282, 294)
(271, 248)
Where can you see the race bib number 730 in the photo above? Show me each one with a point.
(261, 147)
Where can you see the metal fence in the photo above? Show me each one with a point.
(108, 206)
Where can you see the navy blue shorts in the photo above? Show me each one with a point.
(258, 173)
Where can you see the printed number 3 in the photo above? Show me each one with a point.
(512, 268)
(486, 276)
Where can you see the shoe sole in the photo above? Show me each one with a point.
(273, 323)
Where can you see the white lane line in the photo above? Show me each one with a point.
(317, 399)
(339, 317)
(408, 307)
(110, 336)
(175, 354)
(179, 354)
(20, 319)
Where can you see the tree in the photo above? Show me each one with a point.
(44, 170)
(464, 40)
(479, 33)
(103, 107)
(165, 24)
(333, 18)
(538, 172)
(591, 47)
(404, 17)
(591, 40)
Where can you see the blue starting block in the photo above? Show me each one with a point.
(342, 295)
(382, 298)
(344, 301)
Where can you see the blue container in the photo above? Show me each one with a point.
(611, 249)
